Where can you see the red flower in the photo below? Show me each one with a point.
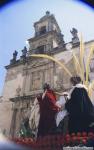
(78, 139)
(73, 134)
(79, 134)
(91, 135)
(74, 138)
(68, 140)
(84, 141)
(84, 134)
(67, 136)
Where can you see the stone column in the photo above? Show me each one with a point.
(25, 73)
(13, 123)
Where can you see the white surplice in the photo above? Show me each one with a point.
(61, 114)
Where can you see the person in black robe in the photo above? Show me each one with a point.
(80, 108)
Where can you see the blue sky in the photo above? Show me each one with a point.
(17, 19)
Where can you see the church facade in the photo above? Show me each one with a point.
(25, 77)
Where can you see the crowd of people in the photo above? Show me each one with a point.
(72, 113)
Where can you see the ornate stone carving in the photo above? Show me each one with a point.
(18, 91)
(60, 39)
(16, 105)
(12, 74)
(59, 79)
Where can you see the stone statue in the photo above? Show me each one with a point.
(34, 117)
(74, 32)
(24, 52)
(13, 60)
(15, 55)
(75, 38)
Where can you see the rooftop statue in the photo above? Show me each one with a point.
(15, 55)
(14, 59)
(74, 32)
(24, 51)
(75, 38)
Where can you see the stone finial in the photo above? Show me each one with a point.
(48, 13)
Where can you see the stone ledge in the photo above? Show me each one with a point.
(21, 98)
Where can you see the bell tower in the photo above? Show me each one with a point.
(47, 35)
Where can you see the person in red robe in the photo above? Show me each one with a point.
(48, 110)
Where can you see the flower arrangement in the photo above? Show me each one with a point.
(57, 142)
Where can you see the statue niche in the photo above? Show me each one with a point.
(36, 80)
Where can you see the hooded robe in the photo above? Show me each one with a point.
(80, 109)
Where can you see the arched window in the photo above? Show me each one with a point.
(43, 30)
